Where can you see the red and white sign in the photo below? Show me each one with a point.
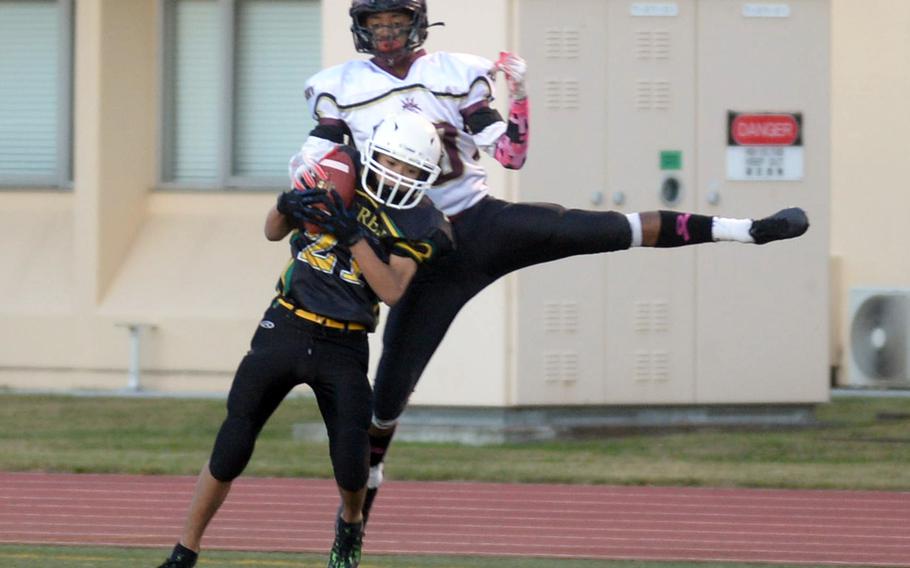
(764, 146)
(764, 129)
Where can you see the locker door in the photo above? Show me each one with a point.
(762, 322)
(558, 320)
(649, 293)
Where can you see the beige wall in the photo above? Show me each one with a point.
(869, 128)
(196, 266)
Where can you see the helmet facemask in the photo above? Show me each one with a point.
(411, 140)
(365, 40)
(403, 37)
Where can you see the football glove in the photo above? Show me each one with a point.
(514, 68)
(307, 172)
(334, 218)
(291, 203)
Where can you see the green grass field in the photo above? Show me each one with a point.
(857, 444)
(69, 557)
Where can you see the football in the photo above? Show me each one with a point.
(340, 175)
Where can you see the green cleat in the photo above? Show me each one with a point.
(346, 548)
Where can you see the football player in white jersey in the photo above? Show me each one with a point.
(493, 237)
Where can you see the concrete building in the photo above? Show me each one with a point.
(142, 142)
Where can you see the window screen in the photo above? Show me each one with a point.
(277, 48)
(234, 74)
(34, 92)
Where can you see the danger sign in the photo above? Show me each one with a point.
(764, 146)
(764, 130)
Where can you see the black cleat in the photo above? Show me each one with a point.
(169, 563)
(785, 224)
(181, 557)
(346, 548)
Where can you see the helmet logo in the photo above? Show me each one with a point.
(410, 104)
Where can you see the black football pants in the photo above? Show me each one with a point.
(287, 351)
(492, 238)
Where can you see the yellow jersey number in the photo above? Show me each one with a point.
(320, 257)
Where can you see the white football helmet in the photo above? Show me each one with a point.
(411, 139)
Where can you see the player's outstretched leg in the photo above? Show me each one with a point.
(785, 224)
(665, 229)
(181, 557)
(348, 542)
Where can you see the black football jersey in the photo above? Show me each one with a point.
(322, 276)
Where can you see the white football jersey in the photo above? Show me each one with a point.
(439, 86)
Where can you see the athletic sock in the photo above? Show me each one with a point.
(379, 445)
(725, 229)
(681, 229)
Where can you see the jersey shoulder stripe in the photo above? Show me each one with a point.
(421, 233)
(420, 251)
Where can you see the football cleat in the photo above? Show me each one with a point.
(785, 224)
(170, 563)
(346, 548)
(181, 557)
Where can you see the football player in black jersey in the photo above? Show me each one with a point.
(315, 330)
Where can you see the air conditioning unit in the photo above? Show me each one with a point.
(879, 341)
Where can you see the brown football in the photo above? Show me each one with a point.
(340, 175)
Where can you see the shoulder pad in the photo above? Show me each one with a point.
(472, 63)
(330, 82)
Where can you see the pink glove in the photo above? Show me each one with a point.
(306, 171)
(514, 68)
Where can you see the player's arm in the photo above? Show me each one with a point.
(508, 141)
(277, 225)
(389, 281)
(329, 132)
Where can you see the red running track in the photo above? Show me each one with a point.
(560, 521)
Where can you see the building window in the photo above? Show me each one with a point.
(233, 105)
(35, 93)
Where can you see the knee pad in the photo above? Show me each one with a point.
(233, 448)
(351, 480)
(350, 458)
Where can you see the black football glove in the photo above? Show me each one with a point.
(291, 203)
(335, 218)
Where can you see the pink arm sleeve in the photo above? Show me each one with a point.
(512, 146)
